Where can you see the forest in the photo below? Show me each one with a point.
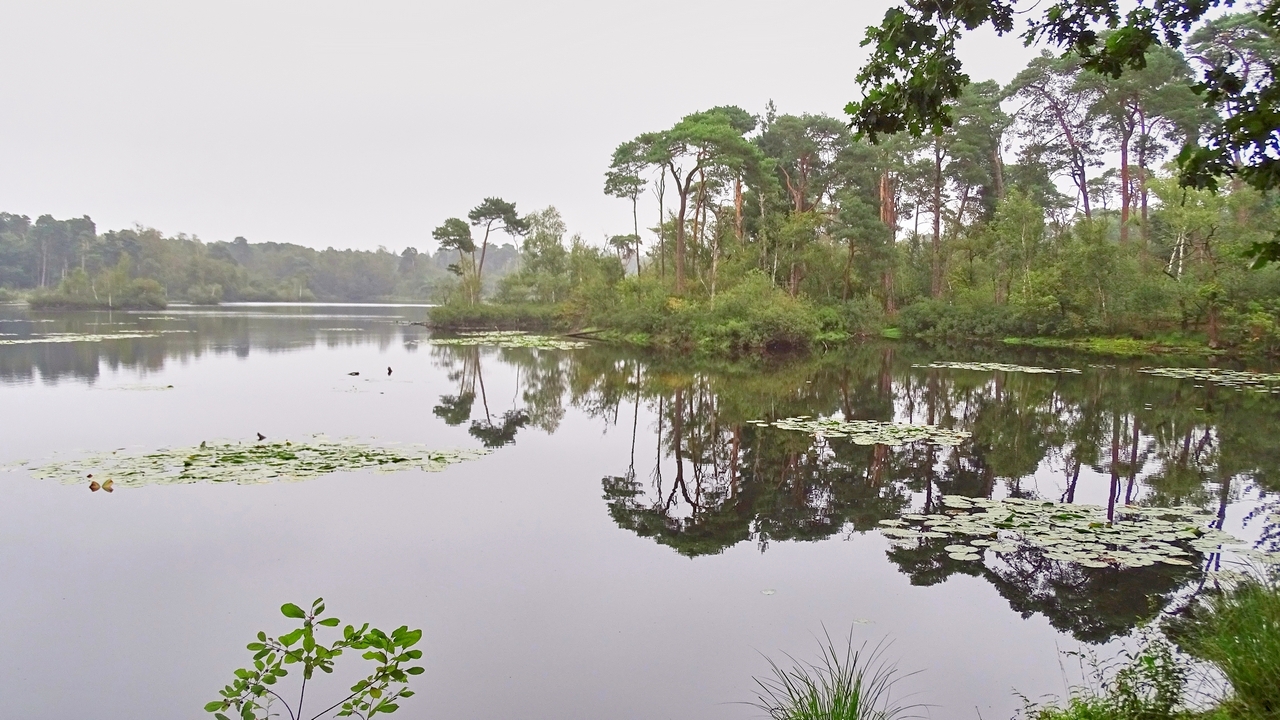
(69, 264)
(1050, 208)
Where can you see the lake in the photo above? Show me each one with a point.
(634, 544)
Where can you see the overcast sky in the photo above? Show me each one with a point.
(362, 124)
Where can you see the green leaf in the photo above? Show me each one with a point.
(215, 706)
(329, 622)
(291, 638)
(416, 670)
(292, 611)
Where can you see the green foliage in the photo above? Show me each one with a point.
(112, 288)
(1150, 684)
(1238, 631)
(495, 316)
(754, 315)
(254, 691)
(853, 684)
(913, 77)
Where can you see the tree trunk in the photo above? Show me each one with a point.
(1211, 328)
(635, 224)
(848, 275)
(737, 208)
(935, 284)
(683, 191)
(889, 216)
(1142, 174)
(1125, 200)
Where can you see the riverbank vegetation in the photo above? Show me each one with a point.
(1220, 662)
(1045, 210)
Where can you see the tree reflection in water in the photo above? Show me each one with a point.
(716, 480)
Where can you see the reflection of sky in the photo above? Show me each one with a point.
(534, 602)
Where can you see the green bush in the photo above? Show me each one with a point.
(495, 316)
(1238, 631)
(204, 294)
(1149, 685)
(138, 294)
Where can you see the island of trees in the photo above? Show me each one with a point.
(1047, 209)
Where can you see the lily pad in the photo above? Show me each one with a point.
(997, 367)
(248, 463)
(509, 339)
(1238, 379)
(873, 432)
(77, 337)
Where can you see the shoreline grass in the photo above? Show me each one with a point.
(853, 684)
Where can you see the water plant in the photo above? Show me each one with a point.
(254, 692)
(997, 367)
(1239, 379)
(848, 684)
(869, 432)
(510, 339)
(1237, 629)
(1131, 536)
(77, 337)
(248, 463)
(1148, 684)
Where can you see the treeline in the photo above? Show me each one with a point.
(1045, 209)
(68, 263)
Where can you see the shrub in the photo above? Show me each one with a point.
(494, 316)
(1149, 685)
(1238, 631)
(204, 294)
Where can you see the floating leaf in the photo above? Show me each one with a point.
(249, 463)
(76, 337)
(509, 339)
(873, 432)
(997, 367)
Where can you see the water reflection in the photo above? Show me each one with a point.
(182, 334)
(700, 477)
(710, 479)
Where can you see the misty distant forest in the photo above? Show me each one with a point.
(73, 255)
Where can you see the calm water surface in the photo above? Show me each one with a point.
(629, 549)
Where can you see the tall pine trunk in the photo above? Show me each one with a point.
(935, 283)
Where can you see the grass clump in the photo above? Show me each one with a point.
(848, 684)
(1149, 685)
(1238, 632)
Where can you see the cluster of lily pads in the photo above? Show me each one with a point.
(248, 463)
(869, 432)
(1001, 367)
(1069, 533)
(510, 339)
(77, 337)
(1241, 379)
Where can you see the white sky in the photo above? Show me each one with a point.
(362, 124)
